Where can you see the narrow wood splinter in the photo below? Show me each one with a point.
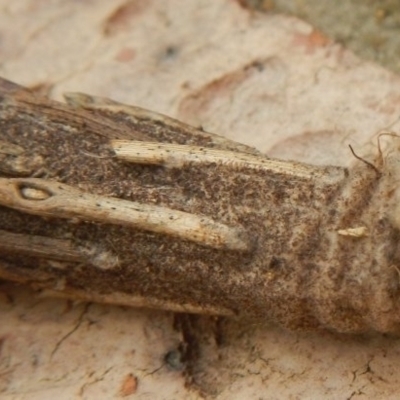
(110, 203)
(52, 199)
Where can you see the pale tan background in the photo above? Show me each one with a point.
(269, 80)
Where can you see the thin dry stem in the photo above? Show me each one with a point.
(52, 199)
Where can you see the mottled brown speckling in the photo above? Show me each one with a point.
(321, 242)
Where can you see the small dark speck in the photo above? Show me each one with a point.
(113, 208)
(258, 66)
(174, 360)
(275, 263)
(171, 52)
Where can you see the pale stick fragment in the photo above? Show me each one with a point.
(52, 199)
(56, 249)
(121, 298)
(10, 148)
(357, 232)
(176, 156)
(40, 246)
(30, 276)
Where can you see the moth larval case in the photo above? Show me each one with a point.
(144, 210)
